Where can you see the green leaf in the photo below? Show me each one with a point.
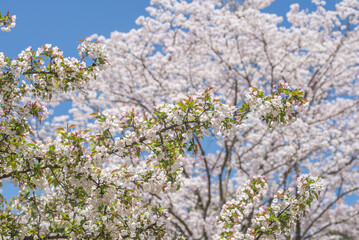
(274, 218)
(316, 195)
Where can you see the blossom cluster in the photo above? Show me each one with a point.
(92, 49)
(273, 222)
(35, 109)
(281, 107)
(41, 80)
(7, 22)
(235, 211)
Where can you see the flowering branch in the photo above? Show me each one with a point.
(7, 22)
(272, 222)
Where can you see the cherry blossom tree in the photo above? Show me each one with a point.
(135, 171)
(184, 47)
(82, 196)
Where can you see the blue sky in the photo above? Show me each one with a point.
(63, 23)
